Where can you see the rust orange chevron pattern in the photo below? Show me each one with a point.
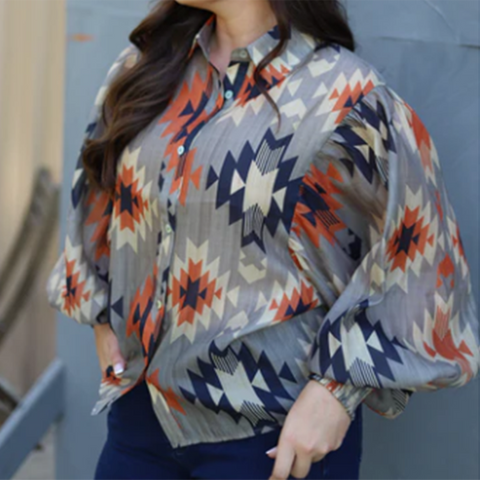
(132, 213)
(141, 319)
(193, 291)
(316, 212)
(422, 138)
(348, 96)
(75, 292)
(291, 304)
(169, 396)
(409, 239)
(180, 124)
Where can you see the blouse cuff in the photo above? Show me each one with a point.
(349, 396)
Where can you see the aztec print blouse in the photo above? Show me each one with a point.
(237, 258)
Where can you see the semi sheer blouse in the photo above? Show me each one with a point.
(237, 258)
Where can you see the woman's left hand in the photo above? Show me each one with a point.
(315, 425)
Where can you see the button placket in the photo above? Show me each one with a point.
(217, 96)
(169, 202)
(227, 95)
(164, 260)
(165, 247)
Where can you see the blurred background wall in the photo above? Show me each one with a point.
(32, 44)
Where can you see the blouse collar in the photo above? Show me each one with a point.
(297, 47)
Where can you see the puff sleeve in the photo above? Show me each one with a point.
(405, 319)
(78, 284)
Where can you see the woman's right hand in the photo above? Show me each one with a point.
(108, 349)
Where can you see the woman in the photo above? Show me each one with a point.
(260, 237)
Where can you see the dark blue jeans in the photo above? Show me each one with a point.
(137, 448)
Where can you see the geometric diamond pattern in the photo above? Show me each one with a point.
(256, 403)
(197, 291)
(133, 208)
(243, 251)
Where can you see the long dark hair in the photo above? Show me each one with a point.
(163, 38)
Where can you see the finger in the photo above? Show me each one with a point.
(272, 453)
(317, 458)
(103, 360)
(301, 465)
(117, 361)
(283, 461)
(103, 365)
(118, 366)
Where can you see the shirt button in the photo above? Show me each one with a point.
(228, 94)
(159, 304)
(168, 228)
(180, 149)
(243, 53)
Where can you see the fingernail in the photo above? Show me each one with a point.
(271, 450)
(118, 368)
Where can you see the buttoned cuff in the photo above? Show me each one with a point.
(349, 396)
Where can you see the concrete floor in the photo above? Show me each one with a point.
(40, 464)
